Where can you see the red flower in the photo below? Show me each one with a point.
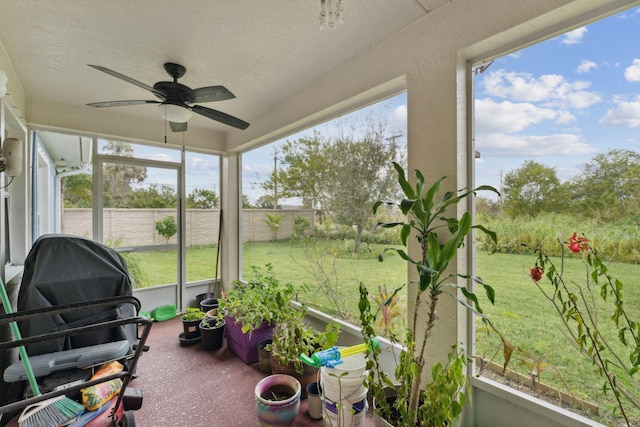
(536, 273)
(577, 244)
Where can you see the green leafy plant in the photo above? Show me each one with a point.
(293, 337)
(274, 221)
(191, 314)
(167, 227)
(137, 273)
(579, 304)
(260, 299)
(300, 226)
(211, 323)
(439, 236)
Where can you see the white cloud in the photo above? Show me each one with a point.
(626, 113)
(399, 114)
(565, 117)
(508, 117)
(162, 157)
(553, 90)
(586, 66)
(632, 73)
(533, 145)
(575, 36)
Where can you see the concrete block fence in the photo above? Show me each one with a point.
(137, 226)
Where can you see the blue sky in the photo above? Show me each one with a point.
(559, 103)
(562, 101)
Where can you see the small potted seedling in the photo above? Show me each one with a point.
(190, 321)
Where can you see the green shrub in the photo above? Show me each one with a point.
(167, 227)
(619, 242)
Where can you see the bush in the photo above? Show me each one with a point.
(300, 226)
(167, 227)
(619, 242)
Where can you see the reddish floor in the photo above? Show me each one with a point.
(187, 386)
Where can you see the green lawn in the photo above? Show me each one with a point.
(520, 312)
(530, 321)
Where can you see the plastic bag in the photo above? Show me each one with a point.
(97, 395)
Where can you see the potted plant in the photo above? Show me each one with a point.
(251, 310)
(212, 333)
(293, 337)
(277, 400)
(190, 320)
(410, 400)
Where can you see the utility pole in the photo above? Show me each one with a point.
(275, 181)
(393, 138)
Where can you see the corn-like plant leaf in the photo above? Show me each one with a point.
(404, 184)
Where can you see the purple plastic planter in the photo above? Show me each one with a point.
(245, 345)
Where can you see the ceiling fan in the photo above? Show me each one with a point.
(177, 101)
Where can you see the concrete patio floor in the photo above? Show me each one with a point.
(188, 386)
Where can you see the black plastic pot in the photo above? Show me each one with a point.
(191, 329)
(209, 304)
(202, 297)
(213, 337)
(264, 362)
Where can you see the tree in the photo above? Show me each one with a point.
(360, 172)
(167, 227)
(274, 223)
(487, 206)
(77, 191)
(531, 189)
(119, 177)
(201, 198)
(342, 176)
(154, 197)
(246, 203)
(266, 201)
(303, 163)
(609, 187)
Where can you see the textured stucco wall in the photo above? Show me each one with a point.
(137, 226)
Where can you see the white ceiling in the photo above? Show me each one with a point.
(263, 51)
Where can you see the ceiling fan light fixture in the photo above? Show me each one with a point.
(174, 113)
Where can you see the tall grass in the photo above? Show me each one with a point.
(616, 242)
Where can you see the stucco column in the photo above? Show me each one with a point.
(230, 195)
(437, 147)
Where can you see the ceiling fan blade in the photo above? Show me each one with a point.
(129, 80)
(120, 103)
(211, 94)
(220, 116)
(178, 127)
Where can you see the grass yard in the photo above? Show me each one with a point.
(520, 312)
(529, 321)
(333, 267)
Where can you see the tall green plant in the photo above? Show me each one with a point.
(577, 306)
(274, 221)
(439, 236)
(135, 265)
